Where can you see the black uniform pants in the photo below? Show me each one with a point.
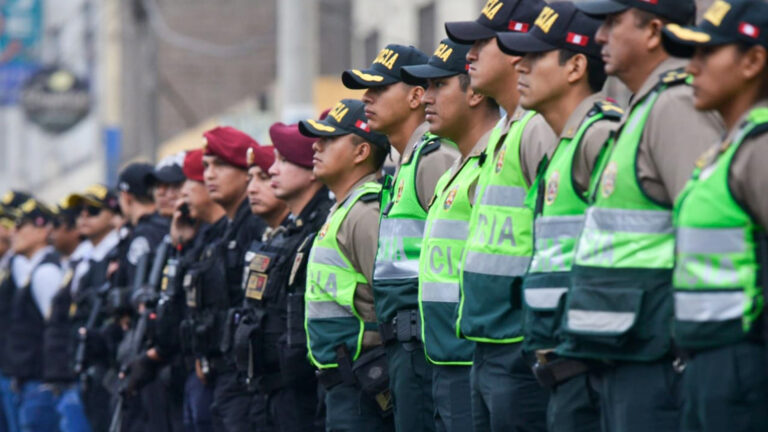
(231, 408)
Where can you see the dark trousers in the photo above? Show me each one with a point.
(451, 395)
(505, 395)
(197, 405)
(348, 409)
(294, 408)
(640, 397)
(726, 389)
(162, 407)
(410, 381)
(231, 408)
(574, 406)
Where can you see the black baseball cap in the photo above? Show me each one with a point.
(136, 179)
(449, 59)
(385, 69)
(65, 214)
(677, 11)
(36, 212)
(496, 16)
(725, 22)
(559, 25)
(8, 216)
(169, 170)
(346, 117)
(96, 195)
(13, 199)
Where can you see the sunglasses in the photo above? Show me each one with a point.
(92, 210)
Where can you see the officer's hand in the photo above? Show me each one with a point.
(140, 372)
(199, 371)
(181, 230)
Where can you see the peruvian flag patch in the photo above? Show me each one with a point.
(749, 30)
(363, 125)
(577, 39)
(518, 26)
(651, 1)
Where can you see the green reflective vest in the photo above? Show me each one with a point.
(396, 272)
(439, 266)
(331, 319)
(559, 218)
(717, 297)
(620, 303)
(499, 245)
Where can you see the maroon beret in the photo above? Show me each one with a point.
(261, 156)
(291, 144)
(193, 165)
(229, 144)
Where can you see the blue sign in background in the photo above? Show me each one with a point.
(21, 34)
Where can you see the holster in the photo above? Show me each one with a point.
(369, 373)
(551, 370)
(404, 327)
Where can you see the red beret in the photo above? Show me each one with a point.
(229, 144)
(291, 144)
(193, 165)
(261, 156)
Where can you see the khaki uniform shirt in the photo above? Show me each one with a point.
(675, 135)
(358, 239)
(538, 140)
(748, 176)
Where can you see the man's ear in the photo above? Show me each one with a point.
(576, 68)
(753, 62)
(414, 97)
(474, 99)
(654, 34)
(362, 152)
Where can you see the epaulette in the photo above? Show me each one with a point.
(609, 109)
(430, 143)
(674, 77)
(369, 197)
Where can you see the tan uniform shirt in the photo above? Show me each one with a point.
(675, 135)
(358, 239)
(538, 140)
(431, 167)
(748, 176)
(592, 142)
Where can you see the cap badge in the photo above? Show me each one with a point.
(717, 12)
(387, 58)
(250, 157)
(321, 127)
(367, 77)
(546, 19)
(491, 8)
(577, 39)
(443, 52)
(362, 126)
(338, 112)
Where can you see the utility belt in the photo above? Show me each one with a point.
(551, 370)
(404, 327)
(369, 373)
(201, 335)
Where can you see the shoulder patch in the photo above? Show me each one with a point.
(138, 248)
(674, 77)
(610, 110)
(369, 197)
(430, 144)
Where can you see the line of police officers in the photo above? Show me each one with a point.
(570, 265)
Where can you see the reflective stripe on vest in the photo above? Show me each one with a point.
(393, 235)
(330, 315)
(717, 297)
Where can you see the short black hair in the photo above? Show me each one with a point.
(464, 82)
(596, 75)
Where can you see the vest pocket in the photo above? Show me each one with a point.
(604, 315)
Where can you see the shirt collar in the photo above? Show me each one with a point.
(577, 117)
(413, 141)
(108, 243)
(39, 255)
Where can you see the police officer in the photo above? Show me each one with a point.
(166, 180)
(341, 321)
(393, 107)
(459, 114)
(620, 304)
(278, 372)
(721, 219)
(561, 75)
(7, 225)
(213, 284)
(31, 307)
(500, 238)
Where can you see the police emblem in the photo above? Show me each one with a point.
(67, 278)
(400, 187)
(323, 231)
(259, 263)
(450, 198)
(608, 184)
(295, 268)
(500, 158)
(256, 284)
(553, 185)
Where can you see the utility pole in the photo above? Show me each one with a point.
(297, 57)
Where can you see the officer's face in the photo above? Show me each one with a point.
(29, 237)
(334, 156)
(64, 238)
(225, 183)
(542, 80)
(720, 73)
(166, 195)
(490, 70)
(5, 239)
(388, 106)
(624, 41)
(447, 106)
(195, 195)
(261, 197)
(289, 180)
(92, 224)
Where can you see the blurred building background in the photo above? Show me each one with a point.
(89, 85)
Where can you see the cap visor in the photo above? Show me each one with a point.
(600, 8)
(419, 74)
(682, 41)
(75, 200)
(513, 43)
(318, 129)
(467, 32)
(168, 177)
(357, 79)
